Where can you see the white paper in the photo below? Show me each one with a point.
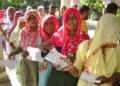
(34, 54)
(89, 78)
(5, 26)
(11, 64)
(54, 57)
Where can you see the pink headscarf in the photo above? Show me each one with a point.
(61, 38)
(17, 15)
(45, 36)
(34, 13)
(27, 36)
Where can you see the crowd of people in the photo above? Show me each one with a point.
(68, 33)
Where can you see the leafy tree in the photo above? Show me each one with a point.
(24, 3)
(95, 5)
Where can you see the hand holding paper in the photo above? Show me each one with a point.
(11, 64)
(55, 58)
(34, 54)
(89, 78)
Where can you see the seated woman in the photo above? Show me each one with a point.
(66, 40)
(50, 25)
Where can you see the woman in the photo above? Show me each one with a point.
(9, 16)
(18, 14)
(100, 56)
(66, 40)
(29, 37)
(15, 34)
(50, 25)
(8, 22)
(3, 74)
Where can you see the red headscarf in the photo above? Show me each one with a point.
(62, 39)
(17, 15)
(45, 36)
(27, 36)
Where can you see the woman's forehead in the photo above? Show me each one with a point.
(71, 15)
(11, 9)
(30, 16)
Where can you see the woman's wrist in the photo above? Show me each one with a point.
(18, 50)
(74, 71)
(110, 80)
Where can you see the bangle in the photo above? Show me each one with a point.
(111, 81)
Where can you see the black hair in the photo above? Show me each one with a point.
(63, 7)
(83, 9)
(75, 6)
(111, 8)
(52, 6)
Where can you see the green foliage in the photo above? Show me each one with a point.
(95, 5)
(24, 3)
(6, 3)
(118, 14)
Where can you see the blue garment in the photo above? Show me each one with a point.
(4, 43)
(60, 20)
(44, 72)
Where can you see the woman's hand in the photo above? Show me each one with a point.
(4, 33)
(11, 56)
(12, 45)
(103, 80)
(70, 64)
(2, 23)
(46, 46)
(25, 54)
(70, 68)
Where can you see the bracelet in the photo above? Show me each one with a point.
(111, 81)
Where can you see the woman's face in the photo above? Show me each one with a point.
(22, 24)
(11, 13)
(49, 26)
(72, 22)
(33, 22)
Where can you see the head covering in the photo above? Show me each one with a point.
(40, 8)
(21, 19)
(27, 36)
(54, 19)
(29, 8)
(36, 15)
(102, 51)
(69, 46)
(15, 34)
(17, 15)
(7, 19)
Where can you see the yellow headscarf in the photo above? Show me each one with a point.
(107, 30)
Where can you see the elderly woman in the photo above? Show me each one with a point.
(8, 22)
(29, 37)
(9, 15)
(15, 34)
(17, 15)
(66, 40)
